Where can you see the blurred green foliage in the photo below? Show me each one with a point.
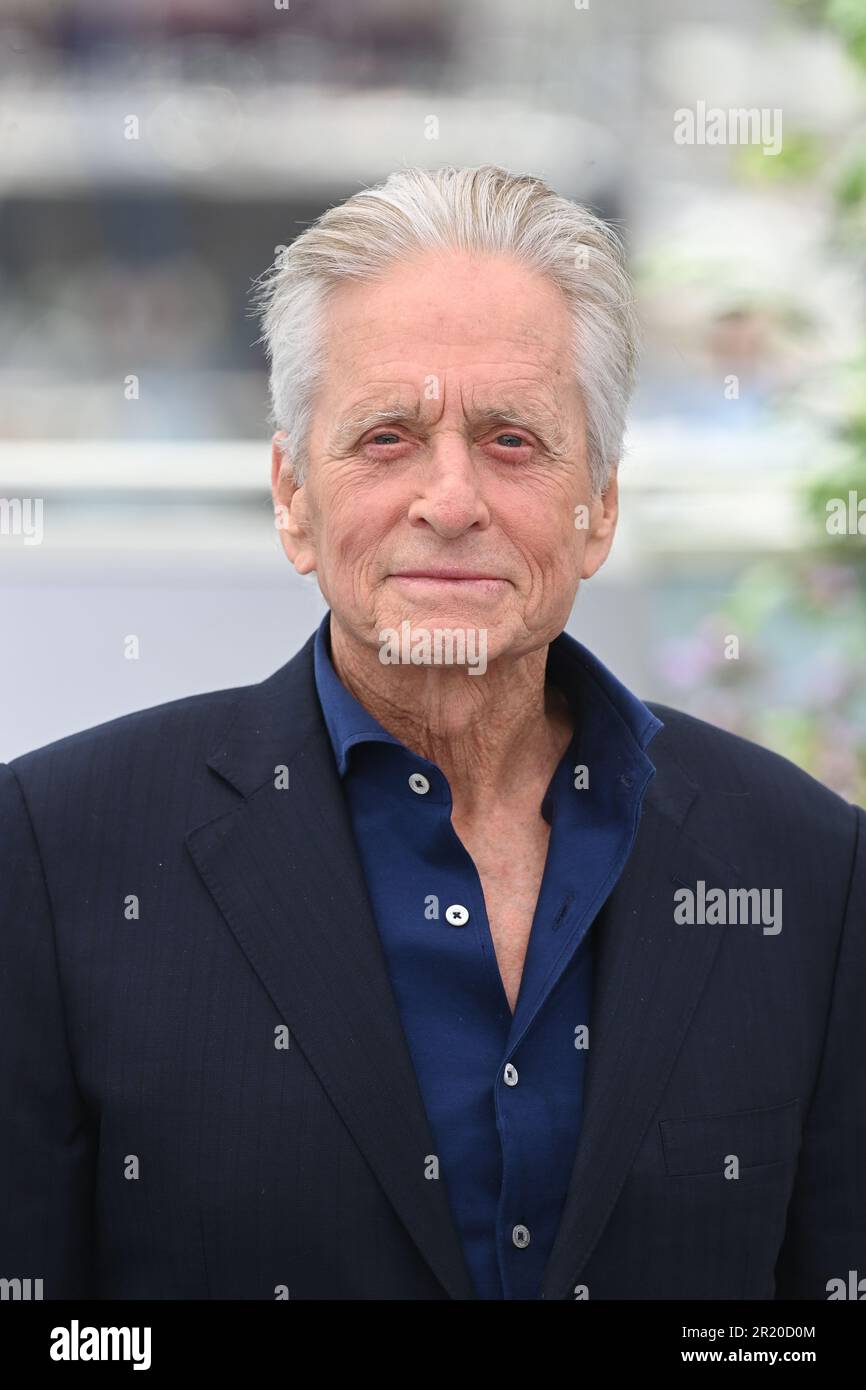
(799, 681)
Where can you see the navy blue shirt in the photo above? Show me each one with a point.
(503, 1093)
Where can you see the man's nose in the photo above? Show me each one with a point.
(451, 497)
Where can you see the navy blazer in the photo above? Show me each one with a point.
(205, 1088)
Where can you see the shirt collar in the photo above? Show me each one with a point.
(603, 704)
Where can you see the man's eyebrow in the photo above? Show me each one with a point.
(540, 421)
(364, 418)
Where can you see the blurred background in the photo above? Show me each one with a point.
(154, 156)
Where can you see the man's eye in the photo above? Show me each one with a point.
(385, 437)
(510, 441)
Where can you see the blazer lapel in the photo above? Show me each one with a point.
(648, 975)
(283, 869)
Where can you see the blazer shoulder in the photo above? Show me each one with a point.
(160, 733)
(163, 757)
(729, 765)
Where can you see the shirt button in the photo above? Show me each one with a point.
(457, 915)
(510, 1075)
(520, 1236)
(418, 782)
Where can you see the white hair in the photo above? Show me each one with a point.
(479, 210)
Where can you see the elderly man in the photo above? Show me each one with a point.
(437, 964)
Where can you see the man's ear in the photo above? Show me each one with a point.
(291, 516)
(603, 514)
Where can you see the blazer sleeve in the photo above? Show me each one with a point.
(46, 1143)
(825, 1235)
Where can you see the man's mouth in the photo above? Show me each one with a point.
(458, 580)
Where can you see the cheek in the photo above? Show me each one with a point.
(354, 540)
(568, 558)
(363, 515)
(548, 505)
(549, 538)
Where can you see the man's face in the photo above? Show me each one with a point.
(475, 464)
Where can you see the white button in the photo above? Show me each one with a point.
(520, 1236)
(510, 1075)
(457, 915)
(418, 782)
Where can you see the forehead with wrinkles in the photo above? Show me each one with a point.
(448, 336)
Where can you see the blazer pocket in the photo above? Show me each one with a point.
(702, 1144)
